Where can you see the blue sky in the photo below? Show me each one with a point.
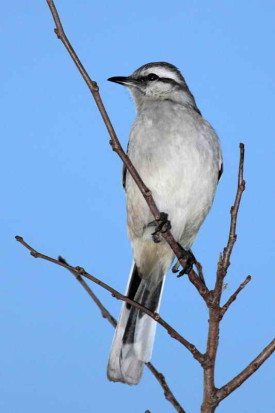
(61, 191)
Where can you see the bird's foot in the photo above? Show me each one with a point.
(189, 262)
(162, 225)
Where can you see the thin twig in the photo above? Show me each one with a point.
(167, 391)
(80, 271)
(108, 316)
(116, 146)
(224, 260)
(246, 373)
(104, 312)
(234, 213)
(215, 313)
(200, 270)
(234, 296)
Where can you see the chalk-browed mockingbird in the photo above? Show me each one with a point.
(178, 156)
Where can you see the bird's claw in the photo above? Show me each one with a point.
(189, 262)
(175, 267)
(162, 225)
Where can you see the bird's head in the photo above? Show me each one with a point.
(156, 81)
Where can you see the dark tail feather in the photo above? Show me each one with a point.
(135, 333)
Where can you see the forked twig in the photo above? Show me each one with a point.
(215, 315)
(80, 271)
(104, 312)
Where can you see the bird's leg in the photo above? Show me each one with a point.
(162, 225)
(189, 259)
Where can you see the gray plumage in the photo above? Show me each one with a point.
(178, 156)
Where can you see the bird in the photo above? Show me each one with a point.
(178, 156)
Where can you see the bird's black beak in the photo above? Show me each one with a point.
(122, 80)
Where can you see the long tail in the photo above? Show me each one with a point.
(134, 338)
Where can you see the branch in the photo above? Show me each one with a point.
(78, 271)
(106, 314)
(224, 260)
(199, 269)
(234, 214)
(116, 146)
(167, 391)
(215, 312)
(247, 372)
(234, 296)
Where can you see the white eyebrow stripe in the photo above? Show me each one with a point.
(161, 72)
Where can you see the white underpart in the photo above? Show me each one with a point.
(177, 154)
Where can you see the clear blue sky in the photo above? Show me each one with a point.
(61, 191)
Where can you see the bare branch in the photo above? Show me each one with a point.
(228, 388)
(80, 271)
(234, 213)
(213, 302)
(114, 142)
(167, 391)
(106, 314)
(234, 296)
(200, 271)
(224, 261)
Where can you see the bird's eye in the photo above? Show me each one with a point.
(152, 76)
